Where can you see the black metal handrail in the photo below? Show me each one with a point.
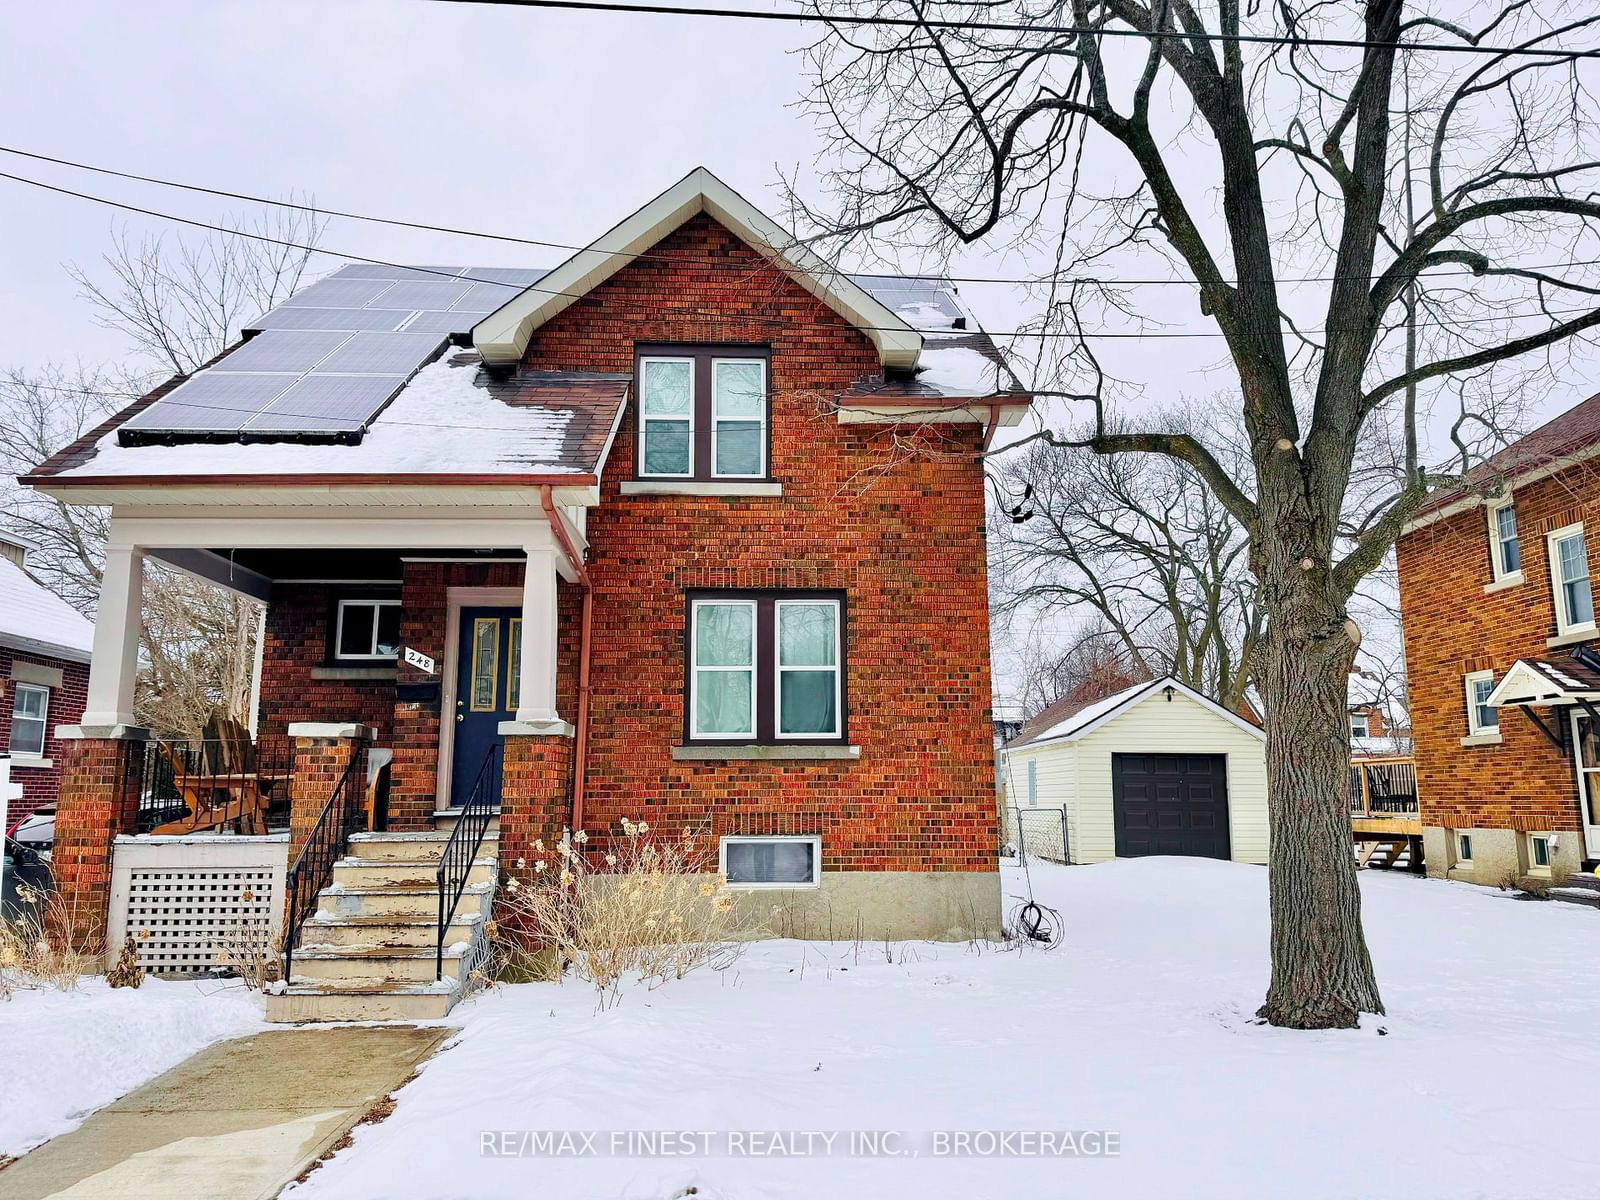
(324, 846)
(461, 851)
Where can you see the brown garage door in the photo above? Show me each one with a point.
(1170, 804)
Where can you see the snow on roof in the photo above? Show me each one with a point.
(445, 421)
(32, 617)
(1084, 719)
(1090, 713)
(958, 370)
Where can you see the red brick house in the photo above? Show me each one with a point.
(689, 530)
(44, 676)
(1503, 659)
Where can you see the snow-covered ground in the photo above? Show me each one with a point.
(65, 1054)
(1139, 1025)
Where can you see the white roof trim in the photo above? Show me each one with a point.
(502, 336)
(1526, 684)
(1132, 698)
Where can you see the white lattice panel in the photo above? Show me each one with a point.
(180, 897)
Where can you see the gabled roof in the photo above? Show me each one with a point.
(1565, 437)
(1540, 683)
(32, 617)
(503, 335)
(1091, 716)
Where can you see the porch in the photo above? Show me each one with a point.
(1385, 816)
(406, 693)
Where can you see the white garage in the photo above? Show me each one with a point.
(1155, 769)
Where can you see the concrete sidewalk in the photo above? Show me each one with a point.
(238, 1121)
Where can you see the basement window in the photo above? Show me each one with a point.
(1539, 852)
(772, 862)
(367, 631)
(1463, 849)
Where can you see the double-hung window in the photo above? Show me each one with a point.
(703, 412)
(1359, 725)
(766, 667)
(1480, 717)
(367, 631)
(1569, 580)
(1505, 547)
(30, 709)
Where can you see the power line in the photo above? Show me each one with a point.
(684, 310)
(317, 210)
(1177, 35)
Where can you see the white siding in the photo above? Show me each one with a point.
(1056, 780)
(1078, 773)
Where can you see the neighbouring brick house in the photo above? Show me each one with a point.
(44, 676)
(689, 530)
(1503, 659)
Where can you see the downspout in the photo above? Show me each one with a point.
(580, 750)
(994, 425)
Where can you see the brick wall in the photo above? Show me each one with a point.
(42, 785)
(297, 644)
(907, 547)
(1452, 627)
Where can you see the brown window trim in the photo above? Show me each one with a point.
(766, 665)
(701, 444)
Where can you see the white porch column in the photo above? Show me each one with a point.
(116, 638)
(537, 703)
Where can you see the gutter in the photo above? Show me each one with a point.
(580, 749)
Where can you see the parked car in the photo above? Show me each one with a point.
(24, 867)
(36, 831)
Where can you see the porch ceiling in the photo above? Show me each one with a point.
(377, 566)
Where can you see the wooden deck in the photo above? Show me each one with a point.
(1380, 827)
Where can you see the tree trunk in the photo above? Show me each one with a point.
(1321, 972)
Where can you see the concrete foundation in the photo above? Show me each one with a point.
(945, 906)
(1497, 853)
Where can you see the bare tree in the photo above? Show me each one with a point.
(1088, 657)
(1147, 548)
(1436, 212)
(180, 303)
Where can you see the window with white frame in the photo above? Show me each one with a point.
(1464, 849)
(1359, 725)
(1480, 717)
(1569, 580)
(772, 862)
(766, 667)
(1505, 548)
(666, 417)
(704, 412)
(1539, 851)
(367, 630)
(30, 711)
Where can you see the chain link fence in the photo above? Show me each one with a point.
(1040, 832)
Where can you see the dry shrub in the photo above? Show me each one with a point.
(126, 972)
(1530, 886)
(248, 951)
(651, 908)
(36, 951)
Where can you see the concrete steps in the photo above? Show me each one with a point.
(369, 951)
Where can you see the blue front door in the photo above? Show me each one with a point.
(488, 662)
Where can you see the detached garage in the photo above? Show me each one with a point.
(1155, 769)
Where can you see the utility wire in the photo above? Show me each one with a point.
(1095, 31)
(1120, 335)
(317, 210)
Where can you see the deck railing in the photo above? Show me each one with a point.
(1383, 787)
(196, 785)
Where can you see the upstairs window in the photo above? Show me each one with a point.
(1505, 548)
(703, 412)
(766, 667)
(1569, 580)
(1358, 725)
(367, 631)
(1480, 717)
(30, 709)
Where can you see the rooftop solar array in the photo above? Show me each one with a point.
(922, 301)
(328, 359)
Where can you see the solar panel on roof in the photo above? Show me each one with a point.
(212, 402)
(350, 319)
(521, 276)
(380, 271)
(282, 350)
(443, 322)
(381, 353)
(486, 297)
(415, 294)
(326, 403)
(340, 293)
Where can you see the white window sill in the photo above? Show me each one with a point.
(1482, 739)
(1539, 872)
(774, 887)
(1505, 581)
(374, 673)
(699, 752)
(1578, 633)
(700, 487)
(31, 762)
